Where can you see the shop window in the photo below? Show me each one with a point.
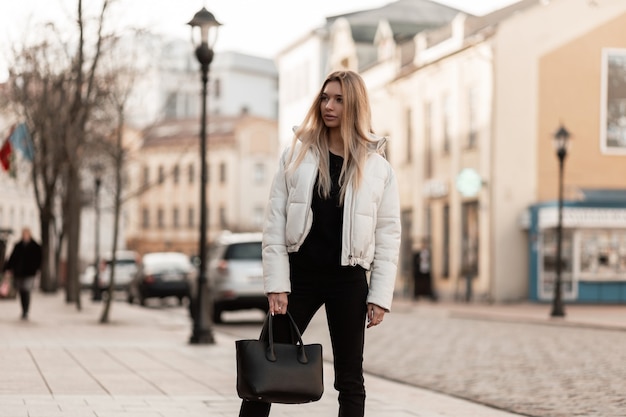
(602, 255)
(469, 236)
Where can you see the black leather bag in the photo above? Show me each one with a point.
(279, 372)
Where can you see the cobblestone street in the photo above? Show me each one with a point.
(532, 369)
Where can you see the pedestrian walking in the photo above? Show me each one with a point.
(23, 265)
(332, 233)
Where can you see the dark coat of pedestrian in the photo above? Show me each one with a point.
(24, 264)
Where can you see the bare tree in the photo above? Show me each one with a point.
(55, 87)
(122, 73)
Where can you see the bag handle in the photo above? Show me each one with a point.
(270, 354)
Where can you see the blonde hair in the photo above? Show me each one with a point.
(356, 126)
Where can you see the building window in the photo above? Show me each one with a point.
(160, 218)
(191, 173)
(217, 88)
(175, 174)
(145, 218)
(191, 218)
(146, 176)
(259, 216)
(171, 104)
(472, 123)
(409, 136)
(613, 101)
(428, 141)
(223, 172)
(175, 217)
(445, 250)
(223, 219)
(446, 123)
(259, 173)
(161, 174)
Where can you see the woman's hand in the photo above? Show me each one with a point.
(375, 315)
(278, 302)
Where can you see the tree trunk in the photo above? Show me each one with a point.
(73, 236)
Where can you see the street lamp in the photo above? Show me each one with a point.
(560, 143)
(96, 293)
(207, 25)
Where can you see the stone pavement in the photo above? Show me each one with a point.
(512, 357)
(63, 363)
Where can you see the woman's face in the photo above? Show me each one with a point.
(331, 104)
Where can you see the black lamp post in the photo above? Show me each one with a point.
(560, 142)
(96, 292)
(205, 21)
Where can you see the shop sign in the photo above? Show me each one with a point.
(583, 217)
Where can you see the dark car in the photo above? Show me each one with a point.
(162, 275)
(235, 274)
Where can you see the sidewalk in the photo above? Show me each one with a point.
(63, 363)
(608, 317)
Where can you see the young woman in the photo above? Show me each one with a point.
(333, 221)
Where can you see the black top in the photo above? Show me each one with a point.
(25, 259)
(321, 250)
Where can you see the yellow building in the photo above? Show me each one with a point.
(165, 214)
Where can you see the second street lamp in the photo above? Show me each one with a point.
(207, 25)
(97, 169)
(560, 142)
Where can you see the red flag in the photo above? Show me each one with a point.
(5, 155)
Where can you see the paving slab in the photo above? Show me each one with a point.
(63, 362)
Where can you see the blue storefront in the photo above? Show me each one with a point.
(593, 250)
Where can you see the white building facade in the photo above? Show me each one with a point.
(469, 117)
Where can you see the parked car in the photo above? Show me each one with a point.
(125, 270)
(235, 274)
(161, 275)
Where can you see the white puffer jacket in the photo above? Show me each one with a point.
(371, 224)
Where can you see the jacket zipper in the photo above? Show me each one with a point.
(351, 259)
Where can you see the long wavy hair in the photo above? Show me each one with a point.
(356, 125)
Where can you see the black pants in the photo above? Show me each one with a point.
(344, 294)
(24, 286)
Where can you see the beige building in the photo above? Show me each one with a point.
(242, 156)
(472, 121)
(470, 108)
